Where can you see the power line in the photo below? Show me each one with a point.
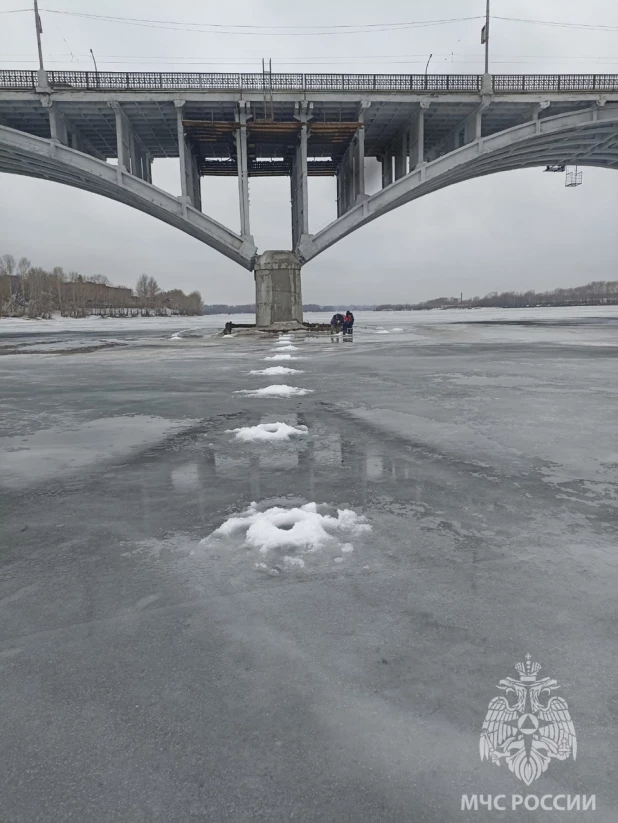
(322, 27)
(557, 23)
(263, 31)
(318, 29)
(282, 62)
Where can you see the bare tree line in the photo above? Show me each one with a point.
(32, 292)
(598, 292)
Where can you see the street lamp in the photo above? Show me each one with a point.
(485, 37)
(39, 32)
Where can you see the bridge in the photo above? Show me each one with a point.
(427, 131)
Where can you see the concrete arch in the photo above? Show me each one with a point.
(25, 154)
(586, 137)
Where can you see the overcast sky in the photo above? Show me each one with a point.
(517, 230)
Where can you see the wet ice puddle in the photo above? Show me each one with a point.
(296, 536)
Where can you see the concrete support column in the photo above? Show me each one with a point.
(58, 130)
(401, 156)
(300, 194)
(351, 172)
(62, 131)
(242, 116)
(420, 136)
(387, 169)
(340, 209)
(123, 143)
(345, 184)
(131, 153)
(278, 296)
(351, 176)
(359, 157)
(189, 172)
(473, 127)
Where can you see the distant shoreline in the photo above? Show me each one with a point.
(463, 306)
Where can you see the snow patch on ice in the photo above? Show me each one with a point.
(281, 357)
(394, 330)
(274, 370)
(382, 331)
(299, 532)
(293, 562)
(275, 391)
(176, 336)
(286, 347)
(268, 432)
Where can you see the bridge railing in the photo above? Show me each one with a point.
(522, 83)
(233, 81)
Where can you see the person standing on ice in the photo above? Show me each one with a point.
(348, 322)
(336, 323)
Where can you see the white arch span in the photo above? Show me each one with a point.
(588, 137)
(25, 154)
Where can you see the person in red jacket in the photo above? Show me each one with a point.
(348, 322)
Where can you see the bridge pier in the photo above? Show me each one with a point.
(278, 296)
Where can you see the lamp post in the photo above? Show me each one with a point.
(485, 37)
(39, 32)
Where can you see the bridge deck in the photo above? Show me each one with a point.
(211, 103)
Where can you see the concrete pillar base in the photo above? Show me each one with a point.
(278, 296)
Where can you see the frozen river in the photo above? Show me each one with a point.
(207, 616)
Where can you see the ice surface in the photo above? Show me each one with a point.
(268, 432)
(271, 371)
(54, 452)
(485, 518)
(275, 391)
(281, 357)
(304, 528)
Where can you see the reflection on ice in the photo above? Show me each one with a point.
(186, 476)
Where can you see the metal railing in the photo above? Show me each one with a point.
(232, 81)
(522, 83)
